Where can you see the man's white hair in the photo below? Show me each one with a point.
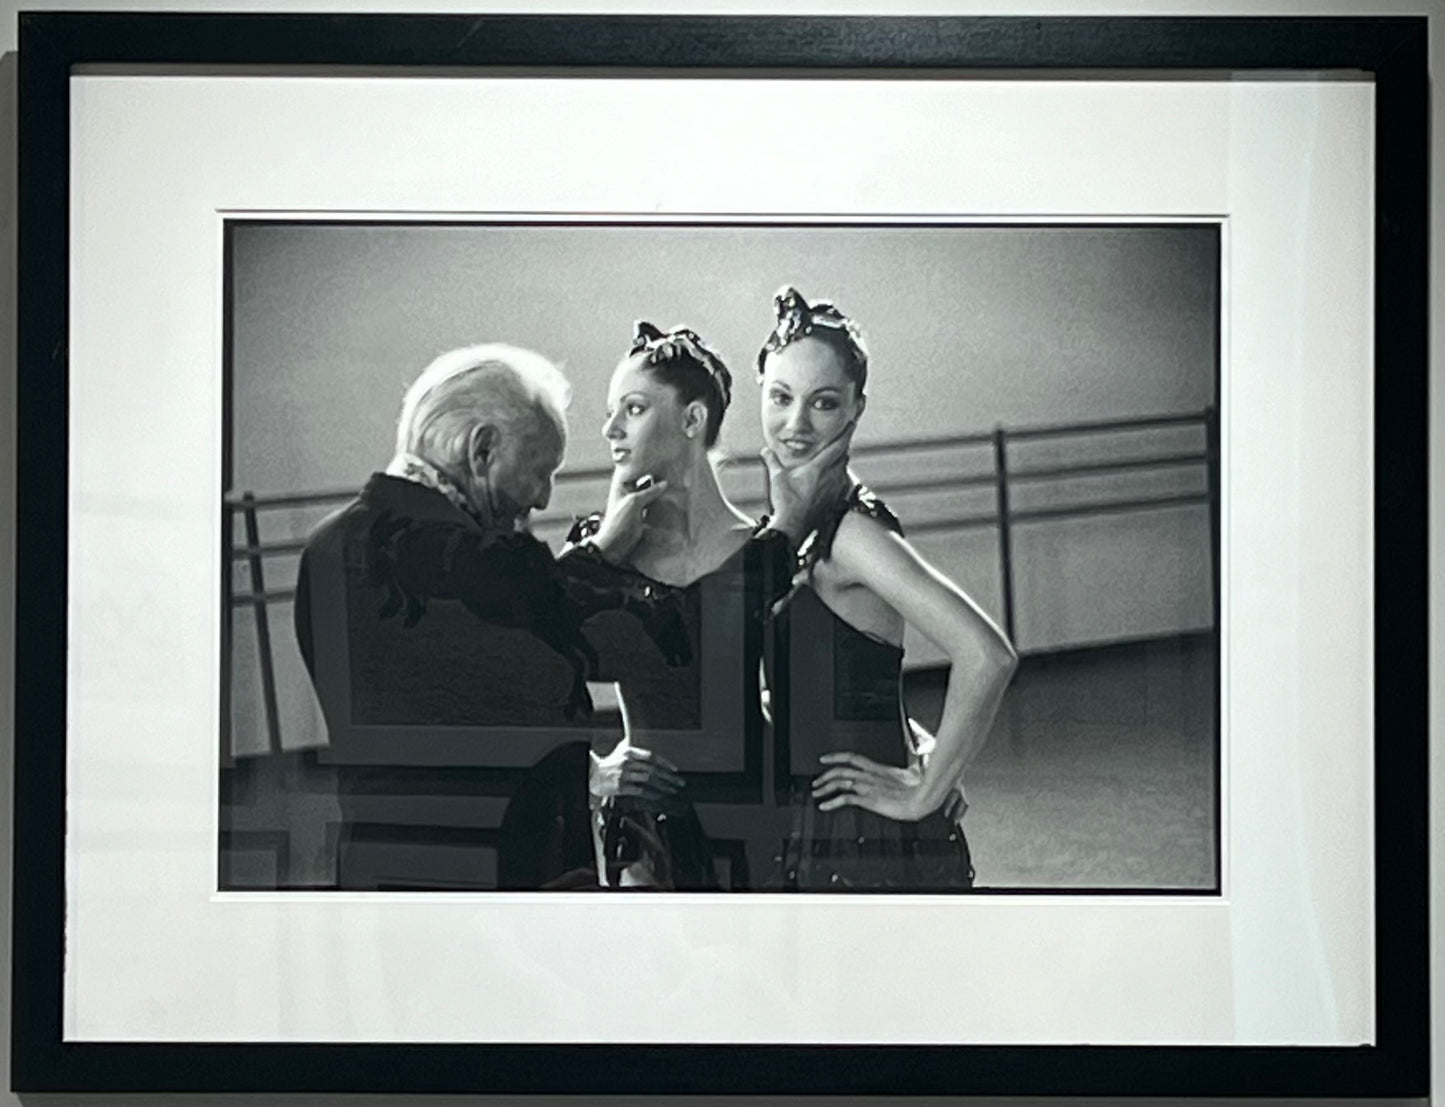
(494, 384)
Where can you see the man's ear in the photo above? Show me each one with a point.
(481, 445)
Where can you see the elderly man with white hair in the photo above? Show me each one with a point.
(446, 610)
(424, 605)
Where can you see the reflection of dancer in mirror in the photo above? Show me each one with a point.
(665, 406)
(884, 811)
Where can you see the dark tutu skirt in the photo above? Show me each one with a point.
(851, 849)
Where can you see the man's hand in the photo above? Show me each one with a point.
(623, 521)
(799, 494)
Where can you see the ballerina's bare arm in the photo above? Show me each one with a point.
(867, 553)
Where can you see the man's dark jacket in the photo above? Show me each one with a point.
(408, 613)
(433, 643)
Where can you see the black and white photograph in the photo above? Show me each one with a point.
(715, 556)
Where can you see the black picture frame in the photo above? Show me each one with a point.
(1392, 50)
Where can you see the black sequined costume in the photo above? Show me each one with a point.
(706, 715)
(846, 695)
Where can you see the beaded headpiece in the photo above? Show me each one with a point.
(668, 347)
(796, 318)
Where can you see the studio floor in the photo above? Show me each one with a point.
(1099, 774)
(1100, 771)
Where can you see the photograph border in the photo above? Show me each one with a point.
(1392, 50)
(516, 748)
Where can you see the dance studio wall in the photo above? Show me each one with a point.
(969, 328)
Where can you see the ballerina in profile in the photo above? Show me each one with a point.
(665, 406)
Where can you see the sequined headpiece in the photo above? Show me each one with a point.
(668, 348)
(796, 318)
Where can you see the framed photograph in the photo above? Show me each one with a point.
(725, 555)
